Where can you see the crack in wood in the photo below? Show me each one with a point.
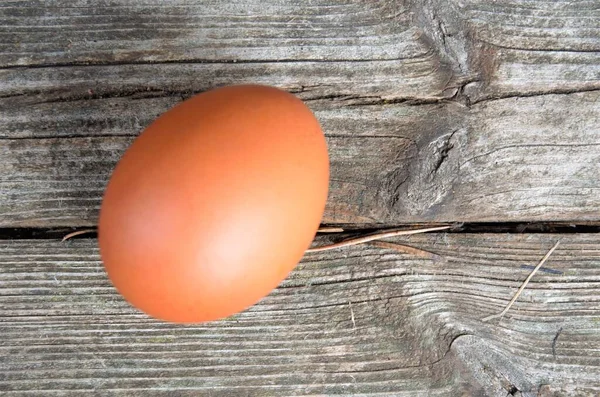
(192, 61)
(459, 96)
(523, 146)
(353, 229)
(443, 152)
(555, 91)
(554, 340)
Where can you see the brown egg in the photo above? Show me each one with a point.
(214, 203)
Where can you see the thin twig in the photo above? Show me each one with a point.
(405, 249)
(378, 236)
(507, 308)
(330, 230)
(321, 230)
(78, 232)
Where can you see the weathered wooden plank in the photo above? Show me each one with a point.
(514, 159)
(430, 163)
(321, 49)
(502, 48)
(70, 193)
(360, 321)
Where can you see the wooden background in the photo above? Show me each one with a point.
(435, 111)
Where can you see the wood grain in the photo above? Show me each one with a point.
(515, 47)
(417, 325)
(513, 159)
(480, 49)
(434, 111)
(175, 30)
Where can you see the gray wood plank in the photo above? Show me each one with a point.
(513, 159)
(491, 49)
(108, 69)
(324, 48)
(357, 321)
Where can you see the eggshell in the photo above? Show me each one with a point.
(214, 203)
